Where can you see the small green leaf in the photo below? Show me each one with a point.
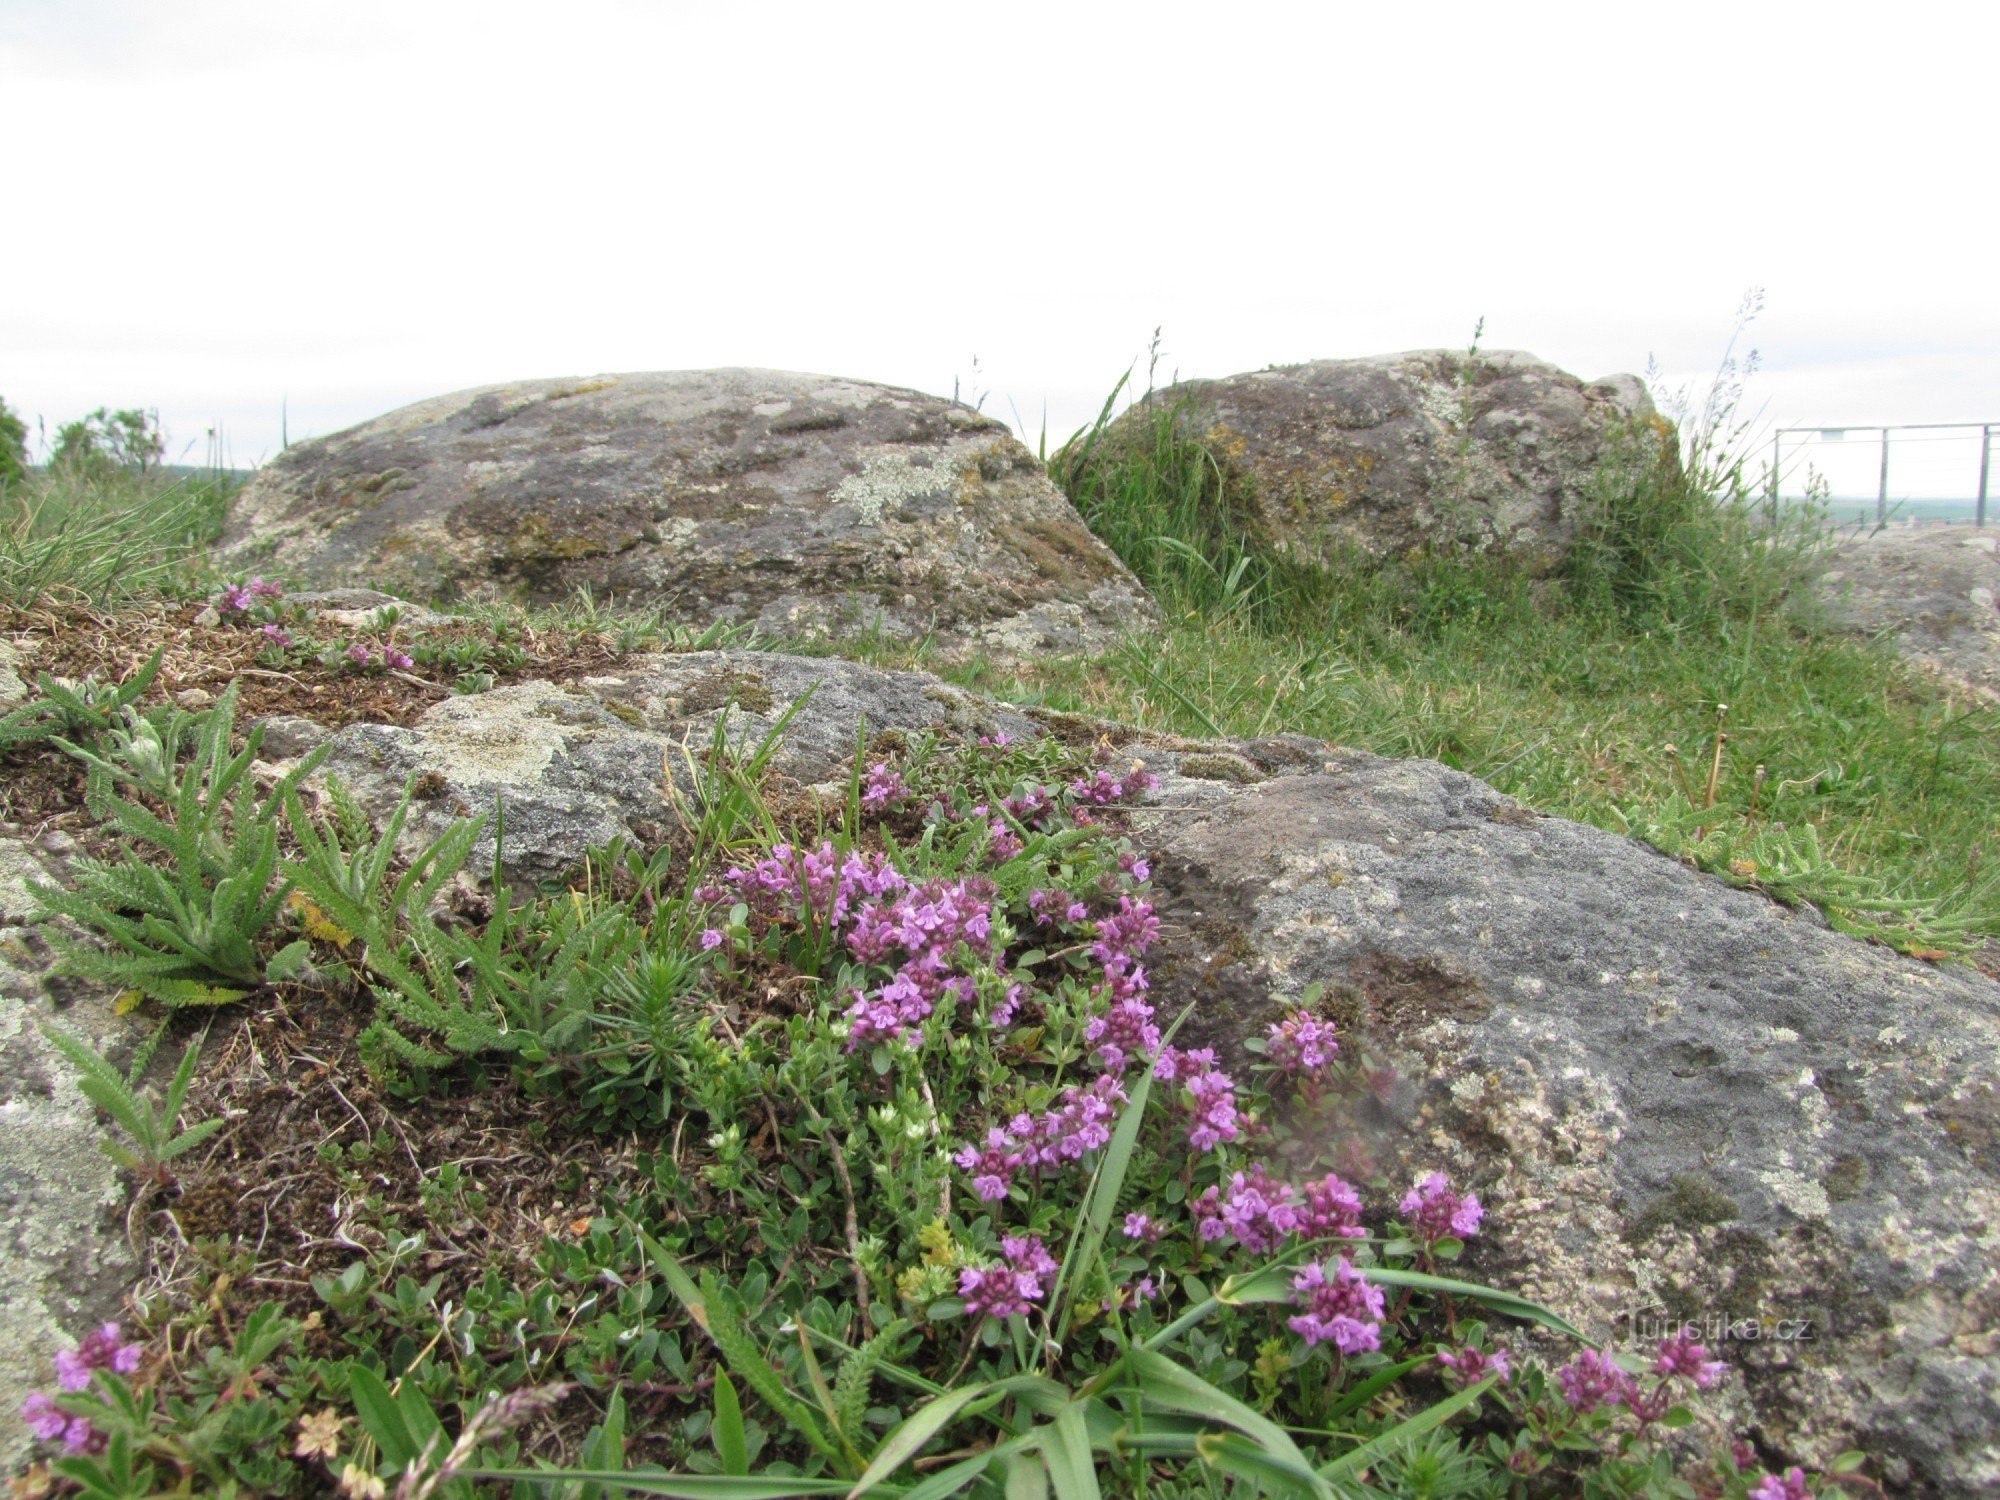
(380, 1415)
(731, 1444)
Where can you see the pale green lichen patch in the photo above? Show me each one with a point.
(887, 482)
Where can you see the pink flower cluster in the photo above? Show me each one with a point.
(1103, 789)
(241, 598)
(1008, 1289)
(104, 1348)
(1261, 1213)
(1434, 1212)
(1340, 1307)
(882, 919)
(1681, 1356)
(1593, 1379)
(389, 656)
(883, 789)
(1210, 1095)
(1469, 1365)
(1301, 1045)
(1792, 1487)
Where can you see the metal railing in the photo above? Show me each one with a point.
(1809, 434)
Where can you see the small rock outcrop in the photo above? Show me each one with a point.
(1493, 449)
(1933, 591)
(1680, 1101)
(803, 504)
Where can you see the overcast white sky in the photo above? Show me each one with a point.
(219, 207)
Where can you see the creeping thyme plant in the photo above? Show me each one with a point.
(908, 1181)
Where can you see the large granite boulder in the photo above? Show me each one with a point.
(1932, 591)
(805, 504)
(1680, 1101)
(1494, 449)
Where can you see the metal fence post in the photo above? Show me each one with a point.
(1985, 463)
(1882, 490)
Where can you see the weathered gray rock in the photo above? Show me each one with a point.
(64, 1265)
(13, 688)
(576, 764)
(1933, 591)
(1677, 1099)
(1497, 449)
(365, 609)
(804, 504)
(1671, 1095)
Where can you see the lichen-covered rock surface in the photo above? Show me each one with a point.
(571, 766)
(1494, 449)
(805, 504)
(64, 1265)
(1933, 591)
(1679, 1100)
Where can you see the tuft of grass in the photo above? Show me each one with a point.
(104, 536)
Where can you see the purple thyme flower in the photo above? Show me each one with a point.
(883, 789)
(1469, 1366)
(395, 657)
(359, 654)
(1332, 1209)
(1341, 1307)
(991, 1166)
(104, 1348)
(1301, 1045)
(1792, 1487)
(1593, 1379)
(1259, 1212)
(278, 636)
(711, 939)
(1681, 1355)
(1006, 1290)
(235, 599)
(1434, 1212)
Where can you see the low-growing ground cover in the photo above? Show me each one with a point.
(832, 1146)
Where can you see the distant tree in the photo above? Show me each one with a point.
(128, 439)
(13, 445)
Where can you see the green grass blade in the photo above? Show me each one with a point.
(1350, 1465)
(1065, 1446)
(1159, 1381)
(678, 1486)
(917, 1429)
(731, 1443)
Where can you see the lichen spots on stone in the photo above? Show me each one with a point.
(1227, 768)
(746, 690)
(1692, 1199)
(889, 481)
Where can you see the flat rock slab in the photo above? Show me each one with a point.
(64, 1265)
(807, 505)
(1678, 1100)
(574, 765)
(1387, 453)
(1933, 591)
